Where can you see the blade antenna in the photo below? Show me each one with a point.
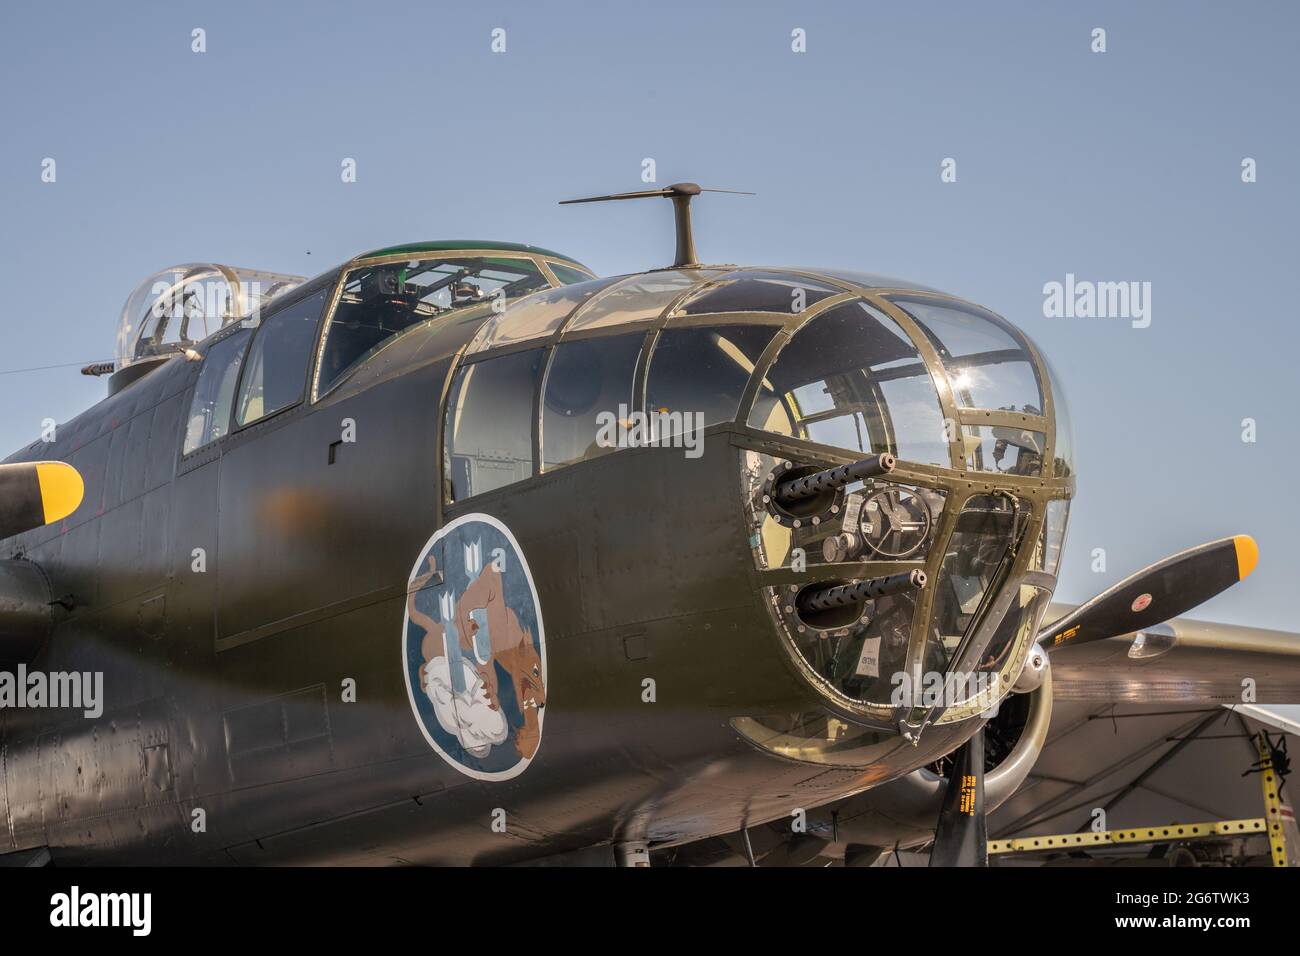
(681, 194)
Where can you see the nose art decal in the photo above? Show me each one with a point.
(473, 649)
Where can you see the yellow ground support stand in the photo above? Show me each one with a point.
(1270, 823)
(1272, 805)
(1169, 834)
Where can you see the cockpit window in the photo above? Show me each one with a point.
(381, 301)
(778, 292)
(852, 378)
(488, 434)
(701, 373)
(640, 298)
(214, 394)
(278, 360)
(568, 276)
(987, 366)
(587, 403)
(535, 316)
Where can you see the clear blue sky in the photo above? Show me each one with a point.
(1116, 166)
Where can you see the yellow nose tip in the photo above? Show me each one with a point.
(61, 489)
(1247, 555)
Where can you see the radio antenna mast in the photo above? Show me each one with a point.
(681, 194)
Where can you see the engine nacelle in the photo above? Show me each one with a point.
(903, 812)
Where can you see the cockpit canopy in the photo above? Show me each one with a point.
(383, 299)
(181, 305)
(257, 368)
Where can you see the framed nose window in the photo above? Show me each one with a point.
(587, 400)
(851, 378)
(697, 375)
(987, 366)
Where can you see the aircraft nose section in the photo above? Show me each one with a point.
(909, 502)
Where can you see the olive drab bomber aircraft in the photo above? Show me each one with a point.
(459, 554)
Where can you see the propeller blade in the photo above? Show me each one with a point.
(1157, 593)
(962, 836)
(36, 493)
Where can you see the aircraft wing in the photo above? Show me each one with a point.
(1182, 660)
(1273, 718)
(1144, 764)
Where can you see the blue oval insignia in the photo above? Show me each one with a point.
(473, 649)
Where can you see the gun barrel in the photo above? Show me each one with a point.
(831, 478)
(841, 595)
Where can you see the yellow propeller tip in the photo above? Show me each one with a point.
(61, 489)
(1247, 555)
